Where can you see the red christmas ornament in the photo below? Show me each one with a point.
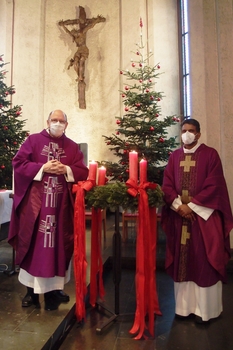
(138, 105)
(17, 113)
(6, 93)
(127, 170)
(126, 109)
(158, 66)
(126, 88)
(108, 143)
(118, 121)
(156, 115)
(5, 127)
(152, 128)
(140, 81)
(141, 24)
(158, 99)
(3, 166)
(15, 143)
(133, 64)
(1, 105)
(123, 95)
(138, 53)
(161, 139)
(117, 133)
(150, 81)
(147, 90)
(151, 98)
(125, 151)
(140, 64)
(121, 72)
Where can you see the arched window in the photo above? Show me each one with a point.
(184, 54)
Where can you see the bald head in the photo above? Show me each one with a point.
(57, 112)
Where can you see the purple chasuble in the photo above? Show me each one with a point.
(41, 227)
(197, 251)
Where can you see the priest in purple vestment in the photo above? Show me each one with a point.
(197, 220)
(41, 227)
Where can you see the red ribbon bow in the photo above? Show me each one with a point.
(146, 293)
(80, 263)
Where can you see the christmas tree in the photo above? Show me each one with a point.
(142, 127)
(11, 129)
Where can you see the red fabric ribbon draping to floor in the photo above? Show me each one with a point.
(80, 263)
(96, 279)
(145, 279)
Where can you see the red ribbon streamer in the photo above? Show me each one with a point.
(80, 263)
(96, 257)
(145, 279)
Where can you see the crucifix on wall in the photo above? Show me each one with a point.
(79, 37)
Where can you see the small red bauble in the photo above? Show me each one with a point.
(152, 128)
(118, 121)
(126, 88)
(133, 64)
(147, 90)
(3, 166)
(121, 72)
(140, 81)
(161, 139)
(151, 98)
(123, 95)
(158, 66)
(138, 104)
(117, 133)
(140, 64)
(5, 127)
(158, 99)
(138, 53)
(126, 109)
(156, 115)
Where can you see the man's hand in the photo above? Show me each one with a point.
(186, 212)
(54, 167)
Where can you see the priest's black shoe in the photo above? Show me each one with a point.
(61, 296)
(31, 299)
(51, 302)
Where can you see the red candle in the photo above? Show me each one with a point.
(143, 170)
(92, 170)
(133, 166)
(101, 176)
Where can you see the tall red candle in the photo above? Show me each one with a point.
(92, 171)
(133, 166)
(101, 176)
(143, 170)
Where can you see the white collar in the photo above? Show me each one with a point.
(192, 150)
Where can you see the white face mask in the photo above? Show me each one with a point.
(56, 129)
(188, 138)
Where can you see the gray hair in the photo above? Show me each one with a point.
(64, 115)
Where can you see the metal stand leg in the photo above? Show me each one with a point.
(116, 276)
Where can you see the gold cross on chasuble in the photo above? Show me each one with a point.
(185, 198)
(185, 235)
(187, 163)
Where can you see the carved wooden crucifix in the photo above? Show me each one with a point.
(79, 37)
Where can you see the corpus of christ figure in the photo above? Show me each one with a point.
(79, 37)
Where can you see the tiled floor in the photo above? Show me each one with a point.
(29, 328)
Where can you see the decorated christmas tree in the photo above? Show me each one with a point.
(11, 129)
(142, 128)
